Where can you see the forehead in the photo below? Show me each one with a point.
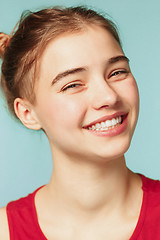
(88, 47)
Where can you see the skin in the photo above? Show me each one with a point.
(91, 190)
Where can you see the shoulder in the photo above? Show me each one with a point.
(151, 186)
(14, 216)
(4, 230)
(20, 210)
(151, 199)
(148, 226)
(11, 215)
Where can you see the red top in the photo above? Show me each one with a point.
(23, 221)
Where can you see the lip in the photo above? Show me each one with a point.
(113, 131)
(108, 117)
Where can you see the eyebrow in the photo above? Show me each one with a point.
(82, 69)
(117, 59)
(67, 72)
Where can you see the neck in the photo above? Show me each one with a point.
(88, 187)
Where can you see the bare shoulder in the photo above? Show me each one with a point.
(4, 230)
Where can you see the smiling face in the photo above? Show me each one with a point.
(86, 96)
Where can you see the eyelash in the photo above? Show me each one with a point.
(116, 73)
(73, 85)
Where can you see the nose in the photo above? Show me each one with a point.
(104, 95)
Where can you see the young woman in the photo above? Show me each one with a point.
(64, 71)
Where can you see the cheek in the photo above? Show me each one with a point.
(134, 94)
(71, 109)
(61, 111)
(129, 92)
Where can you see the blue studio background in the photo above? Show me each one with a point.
(25, 158)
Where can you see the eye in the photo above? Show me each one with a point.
(73, 85)
(119, 74)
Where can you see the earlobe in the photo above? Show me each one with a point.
(26, 114)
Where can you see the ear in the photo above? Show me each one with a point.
(26, 114)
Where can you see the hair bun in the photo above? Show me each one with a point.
(4, 41)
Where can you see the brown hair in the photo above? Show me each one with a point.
(36, 29)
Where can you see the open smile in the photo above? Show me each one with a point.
(112, 126)
(108, 124)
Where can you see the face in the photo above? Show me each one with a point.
(86, 95)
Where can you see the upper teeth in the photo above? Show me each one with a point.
(107, 124)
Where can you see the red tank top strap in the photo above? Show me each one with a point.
(22, 219)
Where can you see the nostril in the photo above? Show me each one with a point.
(103, 95)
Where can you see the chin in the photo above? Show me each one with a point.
(110, 152)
